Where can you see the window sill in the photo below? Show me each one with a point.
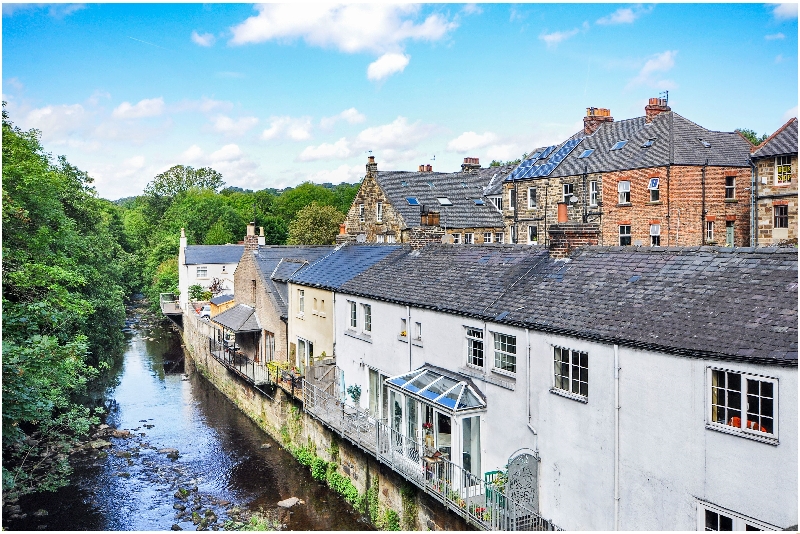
(725, 429)
(319, 314)
(362, 337)
(416, 342)
(624, 205)
(404, 339)
(301, 316)
(731, 201)
(655, 203)
(564, 393)
(504, 372)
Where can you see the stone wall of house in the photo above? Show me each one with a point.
(281, 416)
(680, 196)
(369, 194)
(770, 194)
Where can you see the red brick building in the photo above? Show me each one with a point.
(654, 180)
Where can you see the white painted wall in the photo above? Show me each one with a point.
(668, 458)
(187, 275)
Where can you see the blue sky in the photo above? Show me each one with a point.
(275, 95)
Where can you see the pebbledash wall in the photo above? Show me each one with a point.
(273, 414)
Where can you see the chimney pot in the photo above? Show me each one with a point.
(251, 239)
(371, 159)
(342, 229)
(594, 118)
(655, 107)
(422, 168)
(428, 168)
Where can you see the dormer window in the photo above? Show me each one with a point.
(619, 144)
(586, 153)
(649, 143)
(444, 201)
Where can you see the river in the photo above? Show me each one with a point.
(229, 467)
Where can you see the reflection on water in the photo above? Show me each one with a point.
(223, 459)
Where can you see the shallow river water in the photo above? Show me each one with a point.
(228, 465)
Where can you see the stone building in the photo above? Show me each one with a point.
(654, 180)
(421, 207)
(775, 187)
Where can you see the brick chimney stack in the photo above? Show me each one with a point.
(654, 107)
(470, 165)
(425, 168)
(372, 167)
(594, 118)
(565, 237)
(251, 239)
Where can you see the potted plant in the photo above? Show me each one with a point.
(355, 393)
(427, 427)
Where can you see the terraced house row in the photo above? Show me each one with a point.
(654, 180)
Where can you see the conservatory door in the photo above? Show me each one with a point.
(471, 445)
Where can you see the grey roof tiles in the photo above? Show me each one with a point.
(699, 301)
(341, 265)
(782, 142)
(240, 318)
(213, 254)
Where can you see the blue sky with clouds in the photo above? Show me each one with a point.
(275, 95)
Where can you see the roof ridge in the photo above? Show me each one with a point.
(771, 137)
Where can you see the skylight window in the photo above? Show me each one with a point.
(619, 144)
(704, 143)
(444, 201)
(430, 184)
(586, 153)
(404, 183)
(412, 201)
(478, 202)
(649, 143)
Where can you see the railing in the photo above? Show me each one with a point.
(481, 503)
(252, 371)
(169, 304)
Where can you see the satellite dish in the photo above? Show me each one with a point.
(573, 199)
(361, 238)
(447, 239)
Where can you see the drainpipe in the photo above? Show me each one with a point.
(616, 437)
(516, 211)
(753, 210)
(703, 205)
(528, 388)
(408, 335)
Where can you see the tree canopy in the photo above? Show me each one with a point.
(752, 136)
(315, 225)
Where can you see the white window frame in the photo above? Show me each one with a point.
(499, 354)
(353, 324)
(513, 234)
(568, 190)
(500, 237)
(202, 271)
(655, 232)
(655, 193)
(301, 302)
(739, 521)
(573, 373)
(472, 339)
(487, 237)
(403, 328)
(469, 238)
(361, 217)
(594, 193)
(379, 212)
(497, 201)
(367, 311)
(628, 235)
(512, 199)
(783, 162)
(531, 240)
(709, 230)
(771, 438)
(624, 191)
(531, 197)
(730, 189)
(418, 331)
(379, 238)
(456, 238)
(390, 238)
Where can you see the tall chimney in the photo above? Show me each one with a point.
(372, 167)
(565, 237)
(470, 165)
(594, 118)
(262, 240)
(654, 107)
(251, 239)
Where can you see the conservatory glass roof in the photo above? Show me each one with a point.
(447, 392)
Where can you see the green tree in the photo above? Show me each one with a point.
(752, 136)
(218, 234)
(315, 225)
(276, 230)
(291, 201)
(159, 193)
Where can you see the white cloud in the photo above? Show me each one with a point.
(792, 112)
(151, 107)
(386, 65)
(470, 141)
(352, 116)
(785, 11)
(515, 14)
(56, 122)
(205, 39)
(657, 64)
(204, 105)
(779, 58)
(350, 28)
(57, 11)
(338, 150)
(553, 39)
(625, 15)
(343, 173)
(228, 126)
(237, 168)
(472, 9)
(398, 134)
(294, 128)
(774, 36)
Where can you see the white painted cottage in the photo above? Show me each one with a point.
(656, 388)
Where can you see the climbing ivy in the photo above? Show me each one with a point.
(408, 495)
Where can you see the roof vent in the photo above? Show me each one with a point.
(704, 143)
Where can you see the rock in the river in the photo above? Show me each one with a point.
(179, 506)
(176, 527)
(99, 444)
(40, 513)
(288, 503)
(167, 451)
(124, 475)
(265, 446)
(121, 433)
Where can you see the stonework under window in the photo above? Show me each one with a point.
(505, 352)
(469, 238)
(730, 187)
(783, 170)
(594, 193)
(571, 371)
(531, 197)
(781, 216)
(743, 403)
(475, 347)
(487, 237)
(624, 190)
(624, 235)
(202, 272)
(655, 235)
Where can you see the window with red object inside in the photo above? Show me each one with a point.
(743, 402)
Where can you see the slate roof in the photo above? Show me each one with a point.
(240, 318)
(782, 142)
(341, 265)
(708, 302)
(461, 188)
(728, 149)
(213, 254)
(276, 263)
(221, 299)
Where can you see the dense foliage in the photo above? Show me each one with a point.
(66, 270)
(752, 136)
(315, 225)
